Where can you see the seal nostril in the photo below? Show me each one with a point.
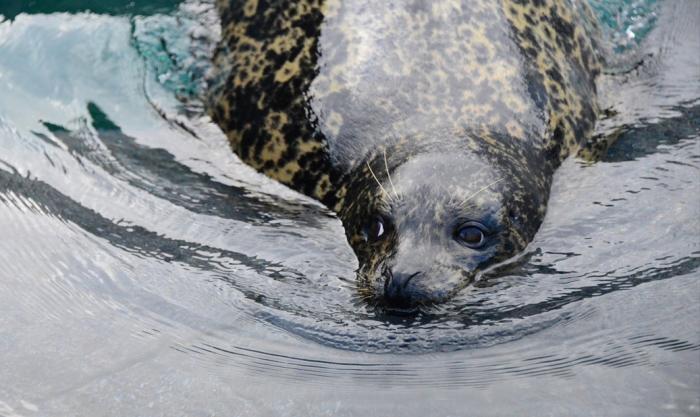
(388, 277)
(410, 278)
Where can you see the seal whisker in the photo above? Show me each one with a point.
(386, 166)
(376, 179)
(454, 196)
(483, 189)
(447, 191)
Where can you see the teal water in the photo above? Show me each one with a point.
(11, 8)
(627, 22)
(145, 271)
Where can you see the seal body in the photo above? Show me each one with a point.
(432, 128)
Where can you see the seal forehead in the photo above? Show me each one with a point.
(433, 191)
(444, 169)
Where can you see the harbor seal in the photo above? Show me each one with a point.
(432, 128)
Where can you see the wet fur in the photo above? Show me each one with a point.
(331, 97)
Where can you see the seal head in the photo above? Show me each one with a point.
(425, 226)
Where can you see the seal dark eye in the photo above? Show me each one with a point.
(471, 235)
(374, 230)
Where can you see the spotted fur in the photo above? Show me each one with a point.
(333, 97)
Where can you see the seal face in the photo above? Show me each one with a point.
(432, 128)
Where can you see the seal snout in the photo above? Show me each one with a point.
(401, 290)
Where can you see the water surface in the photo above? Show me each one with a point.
(144, 270)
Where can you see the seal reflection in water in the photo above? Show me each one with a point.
(431, 127)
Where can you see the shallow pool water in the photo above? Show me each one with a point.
(145, 271)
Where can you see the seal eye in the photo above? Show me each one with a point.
(472, 235)
(374, 230)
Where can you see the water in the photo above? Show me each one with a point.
(145, 271)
